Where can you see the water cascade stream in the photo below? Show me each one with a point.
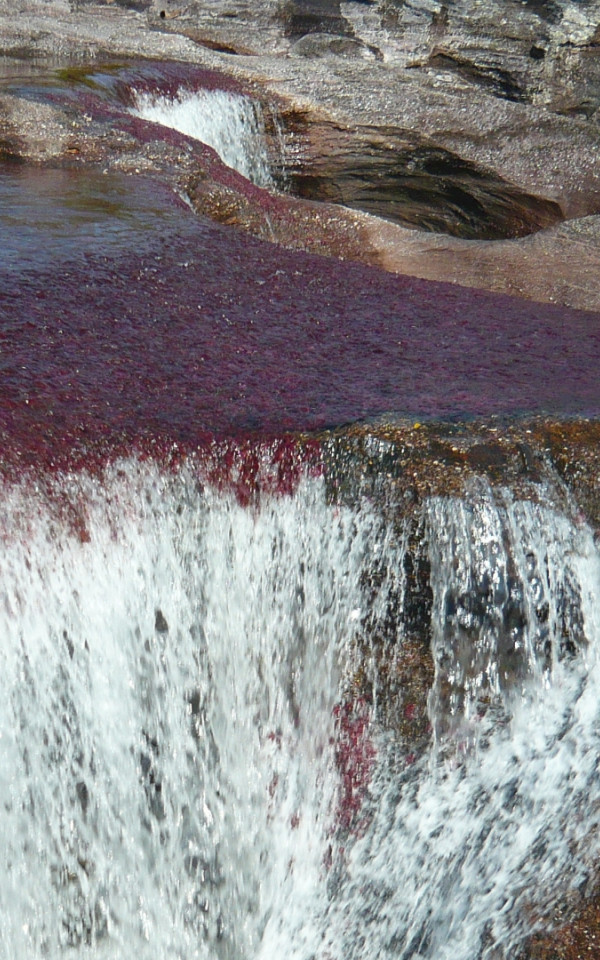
(174, 668)
(228, 122)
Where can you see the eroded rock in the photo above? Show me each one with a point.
(439, 88)
(403, 177)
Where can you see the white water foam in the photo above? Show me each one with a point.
(228, 122)
(163, 774)
(466, 848)
(167, 692)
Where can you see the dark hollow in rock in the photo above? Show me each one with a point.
(138, 5)
(300, 17)
(324, 44)
(537, 53)
(500, 81)
(216, 45)
(547, 10)
(380, 171)
(9, 151)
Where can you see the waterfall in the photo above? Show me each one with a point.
(230, 123)
(465, 846)
(169, 673)
(199, 756)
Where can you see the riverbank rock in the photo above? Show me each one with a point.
(490, 115)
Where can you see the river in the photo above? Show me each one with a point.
(246, 711)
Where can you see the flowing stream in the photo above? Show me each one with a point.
(296, 722)
(228, 122)
(173, 766)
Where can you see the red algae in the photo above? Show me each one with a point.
(129, 322)
(355, 755)
(249, 468)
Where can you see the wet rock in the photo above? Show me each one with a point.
(83, 796)
(574, 450)
(225, 205)
(399, 176)
(574, 933)
(150, 777)
(421, 460)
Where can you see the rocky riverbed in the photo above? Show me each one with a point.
(438, 142)
(476, 125)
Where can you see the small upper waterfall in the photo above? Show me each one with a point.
(205, 737)
(228, 122)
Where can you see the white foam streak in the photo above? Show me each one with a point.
(229, 123)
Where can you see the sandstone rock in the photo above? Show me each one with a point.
(555, 264)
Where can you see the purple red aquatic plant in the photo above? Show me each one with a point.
(354, 755)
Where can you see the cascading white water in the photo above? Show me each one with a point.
(465, 848)
(167, 697)
(228, 122)
(170, 668)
